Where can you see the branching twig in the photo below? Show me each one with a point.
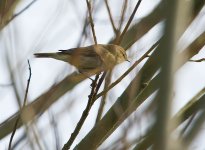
(24, 104)
(95, 88)
(83, 117)
(118, 40)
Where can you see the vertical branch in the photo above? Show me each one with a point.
(24, 104)
(102, 102)
(167, 49)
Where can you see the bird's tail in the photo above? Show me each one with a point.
(45, 55)
(57, 55)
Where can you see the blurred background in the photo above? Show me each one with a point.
(55, 105)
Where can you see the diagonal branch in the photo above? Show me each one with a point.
(118, 40)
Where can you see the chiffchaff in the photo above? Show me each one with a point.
(94, 58)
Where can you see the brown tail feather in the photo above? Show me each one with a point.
(39, 55)
(58, 55)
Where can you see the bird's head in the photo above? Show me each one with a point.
(118, 52)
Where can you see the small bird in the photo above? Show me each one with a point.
(94, 58)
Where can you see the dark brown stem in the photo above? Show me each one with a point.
(95, 88)
(24, 104)
(83, 117)
(102, 102)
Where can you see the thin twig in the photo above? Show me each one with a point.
(95, 88)
(110, 17)
(128, 23)
(83, 34)
(102, 102)
(19, 13)
(99, 84)
(128, 71)
(19, 102)
(19, 140)
(91, 22)
(24, 104)
(83, 117)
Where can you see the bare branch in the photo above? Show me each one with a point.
(102, 102)
(24, 104)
